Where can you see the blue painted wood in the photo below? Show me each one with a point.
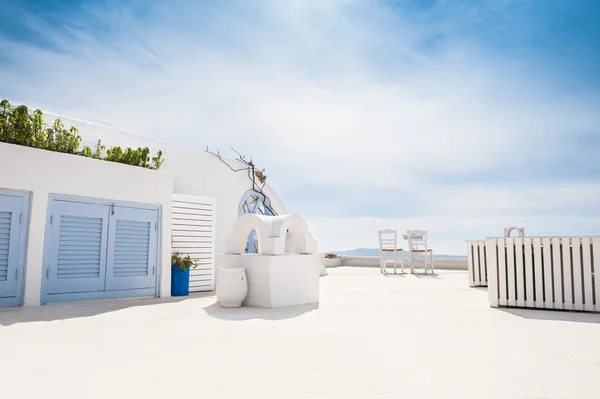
(77, 248)
(98, 295)
(180, 281)
(132, 249)
(11, 208)
(99, 250)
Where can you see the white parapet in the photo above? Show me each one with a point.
(277, 280)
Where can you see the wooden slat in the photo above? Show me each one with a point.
(577, 278)
(182, 212)
(482, 267)
(201, 274)
(588, 293)
(510, 271)
(477, 264)
(520, 273)
(177, 217)
(490, 260)
(186, 228)
(470, 264)
(558, 286)
(538, 270)
(596, 266)
(202, 268)
(201, 277)
(529, 269)
(548, 275)
(502, 289)
(193, 239)
(566, 251)
(190, 246)
(199, 234)
(195, 223)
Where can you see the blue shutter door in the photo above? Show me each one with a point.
(77, 247)
(10, 231)
(132, 249)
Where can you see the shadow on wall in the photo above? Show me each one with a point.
(72, 310)
(248, 313)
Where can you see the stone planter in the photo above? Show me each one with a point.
(335, 262)
(232, 287)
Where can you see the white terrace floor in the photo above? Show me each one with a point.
(371, 337)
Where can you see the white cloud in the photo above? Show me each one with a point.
(333, 94)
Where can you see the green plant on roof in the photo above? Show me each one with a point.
(18, 126)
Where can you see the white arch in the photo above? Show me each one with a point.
(509, 230)
(271, 233)
(242, 228)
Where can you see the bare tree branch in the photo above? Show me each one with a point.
(218, 155)
(253, 174)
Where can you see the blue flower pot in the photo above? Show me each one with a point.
(180, 281)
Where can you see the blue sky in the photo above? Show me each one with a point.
(459, 116)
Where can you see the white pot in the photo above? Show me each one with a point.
(332, 262)
(232, 287)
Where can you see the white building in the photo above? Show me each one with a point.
(71, 227)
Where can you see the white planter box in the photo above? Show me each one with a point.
(477, 263)
(331, 262)
(544, 272)
(277, 280)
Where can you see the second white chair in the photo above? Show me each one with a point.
(417, 245)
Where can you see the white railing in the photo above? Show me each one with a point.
(544, 272)
(476, 263)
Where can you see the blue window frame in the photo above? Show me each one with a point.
(257, 203)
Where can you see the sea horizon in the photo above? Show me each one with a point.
(375, 252)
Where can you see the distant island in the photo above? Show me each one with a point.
(375, 252)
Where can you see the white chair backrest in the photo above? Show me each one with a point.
(388, 239)
(417, 239)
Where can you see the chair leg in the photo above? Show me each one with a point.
(394, 262)
(402, 261)
(432, 266)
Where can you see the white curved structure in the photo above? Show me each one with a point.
(509, 230)
(276, 235)
(287, 267)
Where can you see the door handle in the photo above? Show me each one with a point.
(17, 274)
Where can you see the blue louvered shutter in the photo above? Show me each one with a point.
(10, 228)
(132, 248)
(77, 256)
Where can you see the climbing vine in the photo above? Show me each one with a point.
(257, 177)
(18, 126)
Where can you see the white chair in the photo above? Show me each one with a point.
(388, 243)
(417, 245)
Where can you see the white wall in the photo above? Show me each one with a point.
(195, 172)
(373, 261)
(44, 172)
